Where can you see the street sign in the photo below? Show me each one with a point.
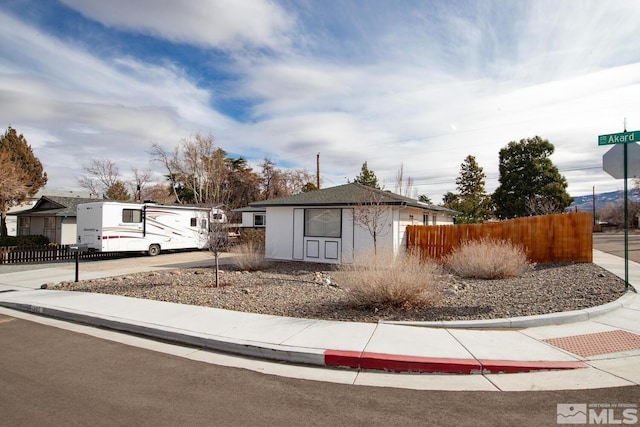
(619, 138)
(613, 161)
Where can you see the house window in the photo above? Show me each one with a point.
(49, 230)
(194, 222)
(131, 215)
(322, 222)
(425, 219)
(259, 220)
(434, 220)
(24, 225)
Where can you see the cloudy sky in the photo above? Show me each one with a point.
(418, 84)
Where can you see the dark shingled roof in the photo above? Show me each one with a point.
(351, 194)
(56, 206)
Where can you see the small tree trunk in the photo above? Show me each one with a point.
(215, 254)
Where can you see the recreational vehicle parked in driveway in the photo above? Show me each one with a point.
(146, 227)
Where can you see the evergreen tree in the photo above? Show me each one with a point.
(118, 192)
(425, 199)
(530, 184)
(472, 199)
(367, 177)
(27, 173)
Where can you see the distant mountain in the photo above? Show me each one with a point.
(585, 203)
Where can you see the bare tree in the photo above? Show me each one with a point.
(140, 179)
(198, 170)
(541, 206)
(404, 188)
(101, 175)
(161, 193)
(372, 214)
(161, 156)
(218, 237)
(280, 183)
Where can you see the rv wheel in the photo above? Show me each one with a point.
(154, 250)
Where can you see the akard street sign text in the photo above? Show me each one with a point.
(619, 138)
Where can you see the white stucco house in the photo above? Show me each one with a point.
(330, 225)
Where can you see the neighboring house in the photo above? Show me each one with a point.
(12, 219)
(253, 217)
(326, 225)
(53, 217)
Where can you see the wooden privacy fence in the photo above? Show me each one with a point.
(48, 253)
(547, 238)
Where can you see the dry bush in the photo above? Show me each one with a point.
(382, 280)
(488, 259)
(248, 256)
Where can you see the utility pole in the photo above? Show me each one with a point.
(318, 171)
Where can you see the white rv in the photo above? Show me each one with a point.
(147, 227)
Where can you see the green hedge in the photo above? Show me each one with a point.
(24, 241)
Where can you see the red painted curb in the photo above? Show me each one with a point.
(514, 366)
(417, 364)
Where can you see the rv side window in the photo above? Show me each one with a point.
(131, 215)
(194, 222)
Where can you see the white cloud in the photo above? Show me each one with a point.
(422, 84)
(209, 23)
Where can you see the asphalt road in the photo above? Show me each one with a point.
(613, 243)
(52, 376)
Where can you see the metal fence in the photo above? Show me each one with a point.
(546, 238)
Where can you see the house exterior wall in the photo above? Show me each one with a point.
(285, 240)
(248, 219)
(362, 240)
(68, 231)
(279, 233)
(60, 230)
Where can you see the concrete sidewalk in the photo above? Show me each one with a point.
(585, 349)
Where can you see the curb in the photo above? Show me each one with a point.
(433, 365)
(302, 355)
(525, 321)
(296, 355)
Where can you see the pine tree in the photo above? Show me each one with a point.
(28, 173)
(367, 177)
(118, 192)
(473, 201)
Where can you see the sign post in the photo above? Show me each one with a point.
(77, 250)
(624, 138)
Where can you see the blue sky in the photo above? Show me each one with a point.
(412, 84)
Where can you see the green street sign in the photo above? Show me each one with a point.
(619, 138)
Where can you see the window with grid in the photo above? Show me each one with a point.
(322, 222)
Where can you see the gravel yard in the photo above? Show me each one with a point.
(297, 289)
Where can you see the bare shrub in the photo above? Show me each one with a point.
(382, 280)
(488, 259)
(248, 256)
